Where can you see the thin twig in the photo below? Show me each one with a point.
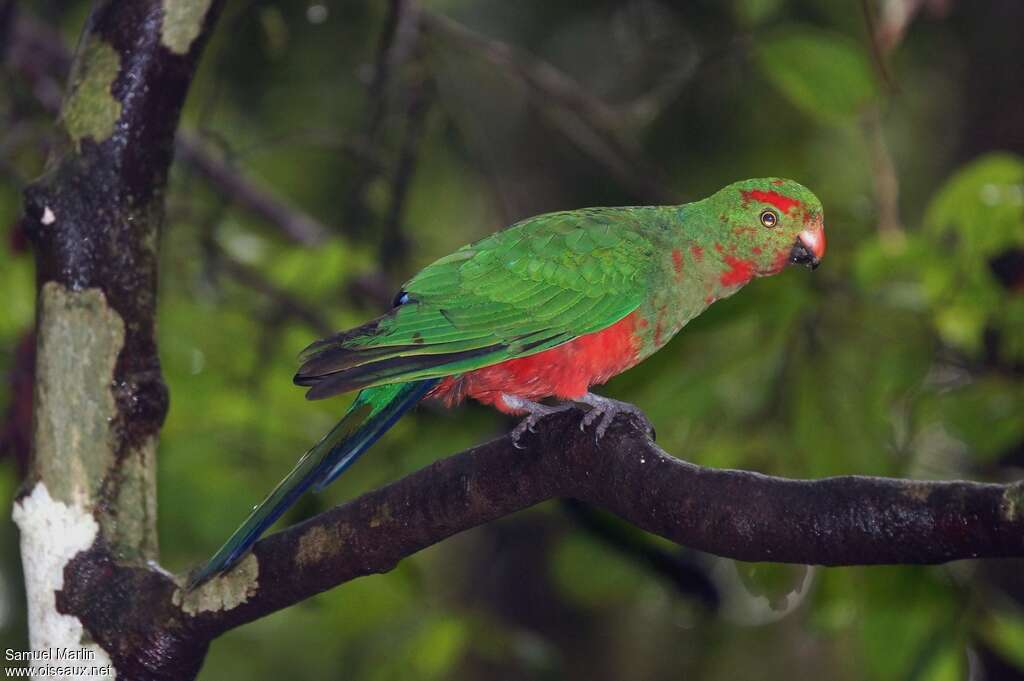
(396, 44)
(879, 52)
(290, 304)
(37, 53)
(294, 223)
(897, 15)
(394, 244)
(886, 181)
(594, 127)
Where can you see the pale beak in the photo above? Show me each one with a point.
(809, 247)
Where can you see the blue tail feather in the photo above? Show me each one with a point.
(363, 424)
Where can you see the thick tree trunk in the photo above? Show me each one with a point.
(94, 218)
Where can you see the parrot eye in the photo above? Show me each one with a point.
(769, 218)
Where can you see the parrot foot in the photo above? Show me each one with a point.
(603, 410)
(535, 411)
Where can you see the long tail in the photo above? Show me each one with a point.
(374, 411)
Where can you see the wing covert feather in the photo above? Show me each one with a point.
(536, 285)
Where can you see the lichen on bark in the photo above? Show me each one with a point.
(90, 109)
(80, 338)
(1013, 502)
(94, 219)
(223, 592)
(183, 21)
(318, 544)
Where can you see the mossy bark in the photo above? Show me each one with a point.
(94, 218)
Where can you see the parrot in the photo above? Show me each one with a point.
(546, 308)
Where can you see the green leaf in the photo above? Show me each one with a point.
(976, 216)
(980, 209)
(754, 12)
(823, 73)
(1005, 634)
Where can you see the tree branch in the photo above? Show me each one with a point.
(296, 224)
(394, 246)
(884, 177)
(593, 126)
(396, 44)
(37, 52)
(252, 278)
(848, 520)
(883, 168)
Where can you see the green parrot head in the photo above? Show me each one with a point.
(766, 224)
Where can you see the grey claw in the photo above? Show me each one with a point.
(603, 412)
(535, 414)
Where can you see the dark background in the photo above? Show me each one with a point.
(903, 355)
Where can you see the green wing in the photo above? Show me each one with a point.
(531, 287)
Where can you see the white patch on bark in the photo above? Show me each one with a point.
(223, 592)
(52, 533)
(48, 217)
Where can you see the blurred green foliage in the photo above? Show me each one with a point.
(902, 355)
(824, 73)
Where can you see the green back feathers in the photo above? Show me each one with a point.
(531, 287)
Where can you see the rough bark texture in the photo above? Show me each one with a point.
(848, 520)
(94, 220)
